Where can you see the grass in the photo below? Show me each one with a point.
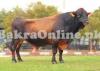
(43, 63)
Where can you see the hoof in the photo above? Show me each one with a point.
(54, 62)
(14, 61)
(62, 61)
(20, 60)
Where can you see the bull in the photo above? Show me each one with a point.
(69, 22)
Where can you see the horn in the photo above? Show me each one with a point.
(72, 14)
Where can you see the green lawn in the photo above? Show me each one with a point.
(43, 63)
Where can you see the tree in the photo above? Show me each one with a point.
(10, 15)
(94, 26)
(37, 10)
(2, 15)
(40, 10)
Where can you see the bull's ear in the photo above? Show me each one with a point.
(88, 13)
(73, 14)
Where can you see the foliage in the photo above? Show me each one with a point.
(40, 10)
(37, 10)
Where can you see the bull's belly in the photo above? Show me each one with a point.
(62, 44)
(38, 42)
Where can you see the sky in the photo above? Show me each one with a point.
(62, 5)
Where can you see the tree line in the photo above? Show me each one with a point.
(37, 10)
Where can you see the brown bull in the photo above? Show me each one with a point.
(69, 22)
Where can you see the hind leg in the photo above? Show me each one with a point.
(20, 41)
(54, 51)
(13, 49)
(13, 54)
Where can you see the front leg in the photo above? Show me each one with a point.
(60, 56)
(54, 51)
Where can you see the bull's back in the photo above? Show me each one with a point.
(46, 24)
(36, 25)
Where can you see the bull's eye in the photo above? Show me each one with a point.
(79, 16)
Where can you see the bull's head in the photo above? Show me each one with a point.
(82, 16)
